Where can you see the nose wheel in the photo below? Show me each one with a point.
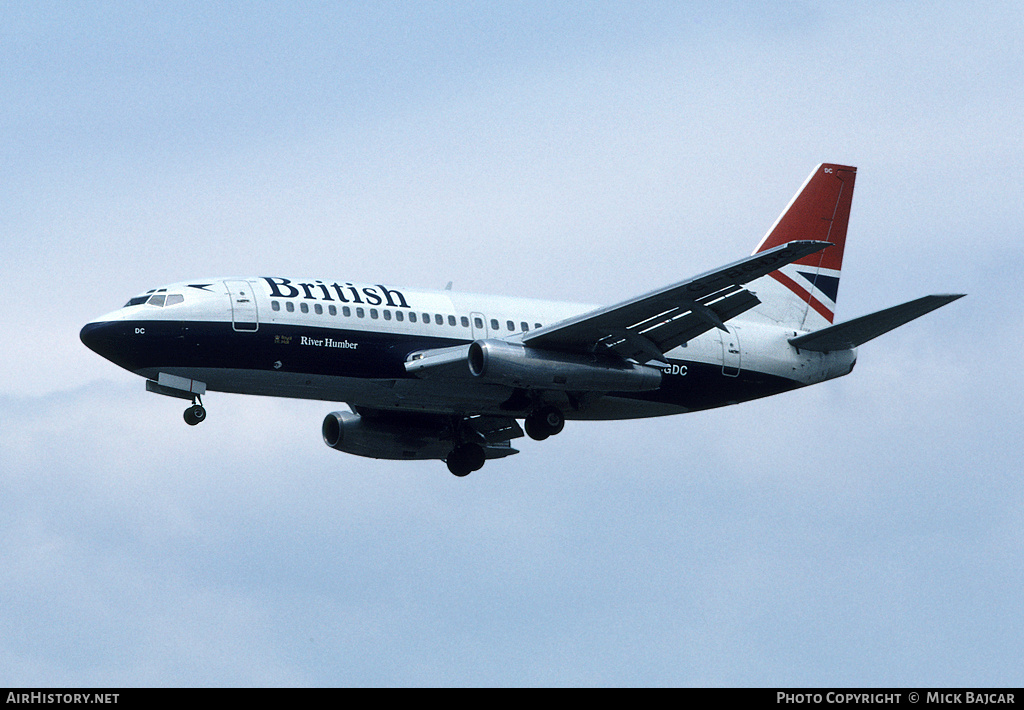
(195, 414)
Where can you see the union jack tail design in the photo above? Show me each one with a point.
(803, 295)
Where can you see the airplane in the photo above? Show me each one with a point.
(436, 374)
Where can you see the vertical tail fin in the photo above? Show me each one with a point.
(803, 295)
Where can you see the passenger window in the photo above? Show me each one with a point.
(387, 314)
(494, 324)
(373, 313)
(412, 317)
(511, 325)
(451, 320)
(465, 322)
(346, 311)
(318, 308)
(399, 316)
(537, 325)
(439, 319)
(289, 306)
(524, 326)
(304, 307)
(426, 318)
(478, 322)
(333, 310)
(360, 313)
(275, 305)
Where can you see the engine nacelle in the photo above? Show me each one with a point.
(353, 434)
(513, 364)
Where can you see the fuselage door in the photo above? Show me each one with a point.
(243, 306)
(730, 351)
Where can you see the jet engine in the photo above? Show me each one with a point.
(516, 365)
(362, 436)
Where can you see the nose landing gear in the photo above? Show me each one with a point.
(181, 388)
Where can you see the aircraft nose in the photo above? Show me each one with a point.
(99, 337)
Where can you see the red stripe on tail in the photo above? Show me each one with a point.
(821, 212)
(804, 295)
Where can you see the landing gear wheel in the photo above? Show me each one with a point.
(195, 414)
(477, 457)
(465, 459)
(545, 422)
(553, 419)
(458, 463)
(535, 429)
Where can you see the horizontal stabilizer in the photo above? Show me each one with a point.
(852, 333)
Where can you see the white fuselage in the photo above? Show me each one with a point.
(339, 341)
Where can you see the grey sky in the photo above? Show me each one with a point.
(867, 531)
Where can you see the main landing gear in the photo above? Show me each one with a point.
(196, 413)
(466, 458)
(469, 456)
(545, 422)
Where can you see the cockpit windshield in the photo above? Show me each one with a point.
(156, 297)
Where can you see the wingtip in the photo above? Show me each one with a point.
(811, 246)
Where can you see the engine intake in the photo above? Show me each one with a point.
(513, 364)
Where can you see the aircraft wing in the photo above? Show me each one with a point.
(647, 327)
(858, 331)
(443, 362)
